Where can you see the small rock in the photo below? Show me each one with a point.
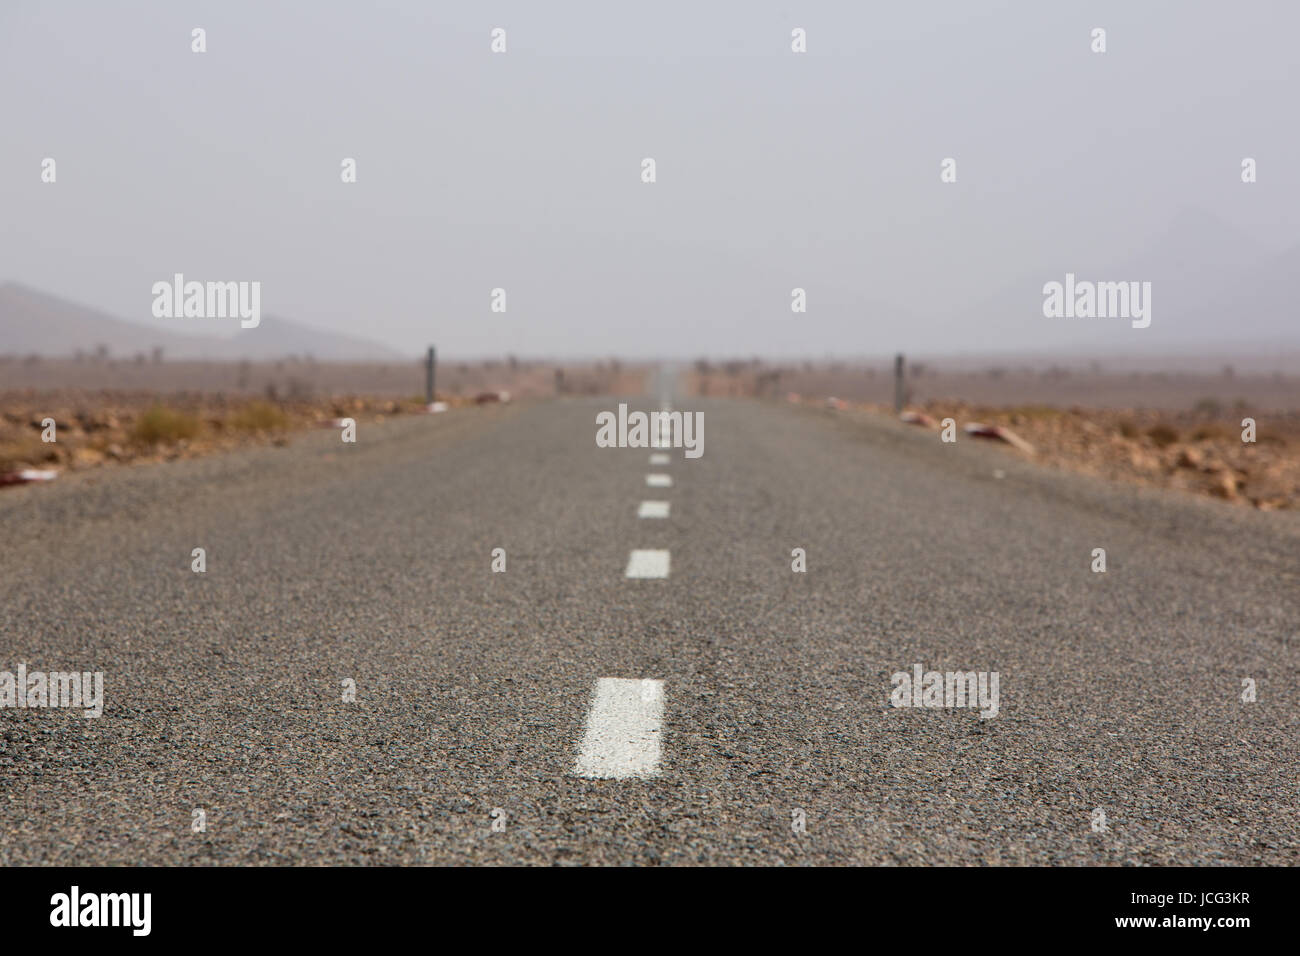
(1142, 460)
(1224, 486)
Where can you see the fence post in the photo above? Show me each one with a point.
(898, 383)
(428, 376)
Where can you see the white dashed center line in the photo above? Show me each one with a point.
(653, 509)
(660, 458)
(659, 481)
(623, 730)
(647, 564)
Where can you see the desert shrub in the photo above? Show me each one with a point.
(1212, 432)
(161, 425)
(1128, 429)
(24, 451)
(1163, 435)
(1038, 412)
(259, 417)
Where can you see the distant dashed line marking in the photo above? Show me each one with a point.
(660, 458)
(653, 509)
(659, 481)
(624, 730)
(647, 564)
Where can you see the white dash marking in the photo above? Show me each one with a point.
(661, 458)
(659, 481)
(653, 509)
(647, 564)
(624, 729)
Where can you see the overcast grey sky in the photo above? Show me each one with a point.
(522, 170)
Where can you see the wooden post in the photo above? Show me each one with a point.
(898, 382)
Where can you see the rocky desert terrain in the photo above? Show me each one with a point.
(1202, 452)
(1171, 427)
(134, 412)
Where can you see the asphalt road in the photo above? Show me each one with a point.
(1119, 691)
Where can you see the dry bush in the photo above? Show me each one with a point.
(164, 425)
(259, 417)
(25, 451)
(1037, 412)
(1162, 435)
(1210, 432)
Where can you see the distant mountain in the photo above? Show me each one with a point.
(34, 322)
(277, 337)
(1260, 304)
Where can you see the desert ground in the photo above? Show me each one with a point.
(115, 412)
(1166, 427)
(1181, 430)
(300, 378)
(1181, 385)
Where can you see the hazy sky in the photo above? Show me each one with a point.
(479, 170)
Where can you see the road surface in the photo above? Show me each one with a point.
(563, 712)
